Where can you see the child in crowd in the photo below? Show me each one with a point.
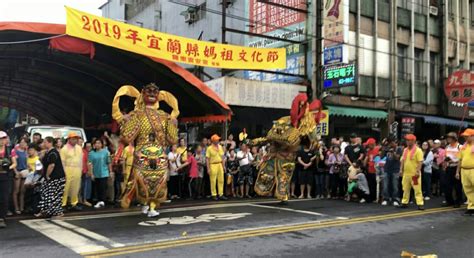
(352, 178)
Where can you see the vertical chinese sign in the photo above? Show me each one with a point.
(280, 22)
(335, 31)
(323, 127)
(171, 47)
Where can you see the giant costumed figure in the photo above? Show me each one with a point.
(151, 131)
(274, 173)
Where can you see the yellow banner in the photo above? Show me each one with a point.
(170, 47)
(323, 126)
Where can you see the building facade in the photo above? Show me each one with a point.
(403, 52)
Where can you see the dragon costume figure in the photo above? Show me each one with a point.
(150, 130)
(283, 140)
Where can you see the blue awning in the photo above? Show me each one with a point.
(439, 120)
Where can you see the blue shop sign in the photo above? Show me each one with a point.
(334, 54)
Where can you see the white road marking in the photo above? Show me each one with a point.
(193, 208)
(88, 233)
(65, 237)
(286, 209)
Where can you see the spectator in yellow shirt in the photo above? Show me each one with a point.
(466, 170)
(410, 170)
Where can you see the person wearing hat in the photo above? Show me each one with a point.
(372, 151)
(465, 171)
(451, 163)
(71, 157)
(215, 167)
(410, 170)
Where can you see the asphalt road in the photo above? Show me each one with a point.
(257, 228)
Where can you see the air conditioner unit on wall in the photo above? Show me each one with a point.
(190, 17)
(434, 10)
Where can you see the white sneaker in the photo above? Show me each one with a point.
(384, 203)
(427, 198)
(145, 209)
(466, 202)
(362, 201)
(153, 213)
(396, 204)
(99, 205)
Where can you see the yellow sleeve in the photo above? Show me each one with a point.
(208, 152)
(221, 151)
(419, 155)
(129, 129)
(63, 154)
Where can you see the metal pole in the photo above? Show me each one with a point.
(223, 16)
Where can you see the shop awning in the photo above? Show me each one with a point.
(61, 79)
(439, 120)
(357, 112)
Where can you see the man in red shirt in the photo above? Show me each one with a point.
(371, 152)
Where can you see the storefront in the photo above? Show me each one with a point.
(364, 122)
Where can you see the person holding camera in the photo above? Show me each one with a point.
(6, 166)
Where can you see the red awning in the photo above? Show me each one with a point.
(79, 46)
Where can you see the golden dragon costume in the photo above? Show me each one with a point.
(274, 173)
(151, 131)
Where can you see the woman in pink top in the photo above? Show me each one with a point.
(193, 173)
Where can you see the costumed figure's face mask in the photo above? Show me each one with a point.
(150, 94)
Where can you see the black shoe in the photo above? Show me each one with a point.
(215, 198)
(421, 207)
(457, 206)
(469, 213)
(2, 223)
(283, 203)
(446, 204)
(403, 206)
(223, 198)
(75, 208)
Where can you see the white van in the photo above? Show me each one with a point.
(55, 131)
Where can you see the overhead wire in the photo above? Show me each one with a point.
(30, 40)
(309, 34)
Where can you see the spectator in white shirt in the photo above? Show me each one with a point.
(245, 158)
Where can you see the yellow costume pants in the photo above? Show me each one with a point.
(467, 179)
(73, 185)
(126, 176)
(407, 185)
(217, 174)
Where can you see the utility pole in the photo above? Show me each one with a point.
(224, 27)
(317, 45)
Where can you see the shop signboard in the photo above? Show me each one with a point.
(335, 31)
(335, 54)
(337, 76)
(459, 87)
(323, 127)
(408, 125)
(250, 93)
(278, 22)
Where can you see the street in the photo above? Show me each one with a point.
(256, 228)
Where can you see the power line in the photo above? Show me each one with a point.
(311, 35)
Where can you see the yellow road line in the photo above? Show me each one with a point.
(258, 232)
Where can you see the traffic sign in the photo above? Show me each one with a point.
(459, 86)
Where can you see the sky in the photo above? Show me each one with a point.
(47, 11)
